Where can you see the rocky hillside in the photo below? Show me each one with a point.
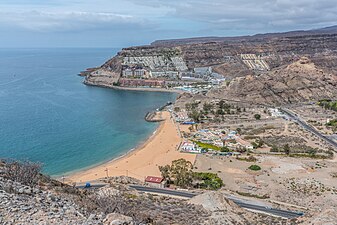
(264, 61)
(299, 81)
(28, 197)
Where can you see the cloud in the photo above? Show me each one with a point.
(43, 21)
(135, 21)
(251, 15)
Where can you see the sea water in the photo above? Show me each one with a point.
(47, 115)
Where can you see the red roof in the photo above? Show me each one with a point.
(156, 180)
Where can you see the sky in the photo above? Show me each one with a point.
(122, 23)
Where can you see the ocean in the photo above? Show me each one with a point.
(47, 115)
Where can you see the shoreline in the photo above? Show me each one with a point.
(134, 88)
(158, 150)
(140, 145)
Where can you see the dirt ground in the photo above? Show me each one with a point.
(299, 181)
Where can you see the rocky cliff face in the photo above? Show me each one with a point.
(260, 61)
(300, 81)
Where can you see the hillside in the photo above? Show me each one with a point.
(299, 81)
(261, 60)
(28, 197)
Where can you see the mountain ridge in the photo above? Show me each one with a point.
(195, 40)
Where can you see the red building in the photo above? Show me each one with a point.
(157, 182)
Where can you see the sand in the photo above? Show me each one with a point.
(160, 149)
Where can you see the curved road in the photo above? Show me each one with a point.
(249, 206)
(308, 127)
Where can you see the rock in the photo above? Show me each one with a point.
(118, 219)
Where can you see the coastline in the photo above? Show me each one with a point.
(121, 156)
(133, 88)
(158, 150)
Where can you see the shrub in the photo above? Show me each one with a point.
(257, 116)
(24, 172)
(254, 167)
(208, 180)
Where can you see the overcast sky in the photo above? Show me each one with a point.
(120, 23)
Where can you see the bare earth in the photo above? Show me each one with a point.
(160, 149)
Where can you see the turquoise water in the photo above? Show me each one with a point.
(48, 115)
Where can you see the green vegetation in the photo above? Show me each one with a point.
(250, 137)
(207, 146)
(312, 156)
(207, 107)
(254, 167)
(332, 124)
(258, 143)
(180, 173)
(209, 181)
(286, 149)
(249, 159)
(195, 115)
(257, 116)
(328, 104)
(225, 149)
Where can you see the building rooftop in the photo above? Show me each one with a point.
(156, 180)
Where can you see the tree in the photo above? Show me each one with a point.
(177, 109)
(166, 172)
(207, 107)
(188, 106)
(180, 172)
(257, 116)
(195, 115)
(312, 152)
(209, 181)
(254, 167)
(225, 149)
(274, 148)
(286, 149)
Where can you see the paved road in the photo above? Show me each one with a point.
(308, 127)
(241, 203)
(163, 191)
(264, 209)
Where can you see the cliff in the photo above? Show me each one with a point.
(246, 57)
(300, 81)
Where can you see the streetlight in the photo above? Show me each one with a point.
(107, 172)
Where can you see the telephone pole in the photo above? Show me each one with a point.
(107, 172)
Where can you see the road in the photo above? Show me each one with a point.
(242, 203)
(265, 209)
(163, 191)
(301, 122)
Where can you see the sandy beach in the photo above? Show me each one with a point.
(159, 149)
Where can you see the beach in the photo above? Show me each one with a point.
(160, 149)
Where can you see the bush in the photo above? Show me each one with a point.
(207, 146)
(209, 180)
(224, 149)
(24, 172)
(257, 116)
(254, 167)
